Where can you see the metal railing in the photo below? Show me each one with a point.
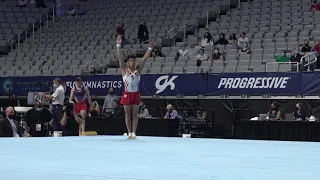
(94, 63)
(125, 52)
(279, 63)
(22, 35)
(171, 34)
(55, 9)
(311, 58)
(37, 24)
(210, 13)
(144, 42)
(193, 23)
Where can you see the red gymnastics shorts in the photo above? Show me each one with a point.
(130, 98)
(81, 106)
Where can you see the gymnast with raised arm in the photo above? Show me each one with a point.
(131, 79)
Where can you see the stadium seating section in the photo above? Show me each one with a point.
(74, 44)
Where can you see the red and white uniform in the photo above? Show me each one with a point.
(131, 94)
(80, 97)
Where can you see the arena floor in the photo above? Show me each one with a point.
(156, 158)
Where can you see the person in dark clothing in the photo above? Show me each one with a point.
(78, 10)
(306, 47)
(233, 37)
(299, 114)
(9, 127)
(94, 109)
(157, 52)
(70, 121)
(143, 33)
(37, 120)
(41, 4)
(274, 113)
(118, 110)
(216, 54)
(222, 40)
(296, 57)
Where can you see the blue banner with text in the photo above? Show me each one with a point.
(178, 84)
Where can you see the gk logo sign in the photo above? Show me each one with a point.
(167, 82)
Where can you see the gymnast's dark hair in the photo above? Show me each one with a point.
(132, 56)
(79, 79)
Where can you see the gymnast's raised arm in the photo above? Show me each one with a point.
(152, 44)
(120, 56)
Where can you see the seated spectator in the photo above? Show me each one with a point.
(9, 127)
(78, 10)
(297, 56)
(245, 49)
(233, 38)
(93, 71)
(201, 57)
(171, 113)
(94, 109)
(315, 6)
(316, 47)
(22, 3)
(274, 113)
(143, 111)
(306, 47)
(71, 11)
(201, 114)
(118, 110)
(40, 4)
(222, 40)
(235, 44)
(242, 40)
(207, 39)
(216, 55)
(283, 57)
(299, 114)
(193, 50)
(182, 52)
(157, 52)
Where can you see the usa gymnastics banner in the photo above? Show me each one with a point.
(307, 83)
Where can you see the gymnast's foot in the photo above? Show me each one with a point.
(133, 135)
(129, 136)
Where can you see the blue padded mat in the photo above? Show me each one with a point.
(156, 158)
